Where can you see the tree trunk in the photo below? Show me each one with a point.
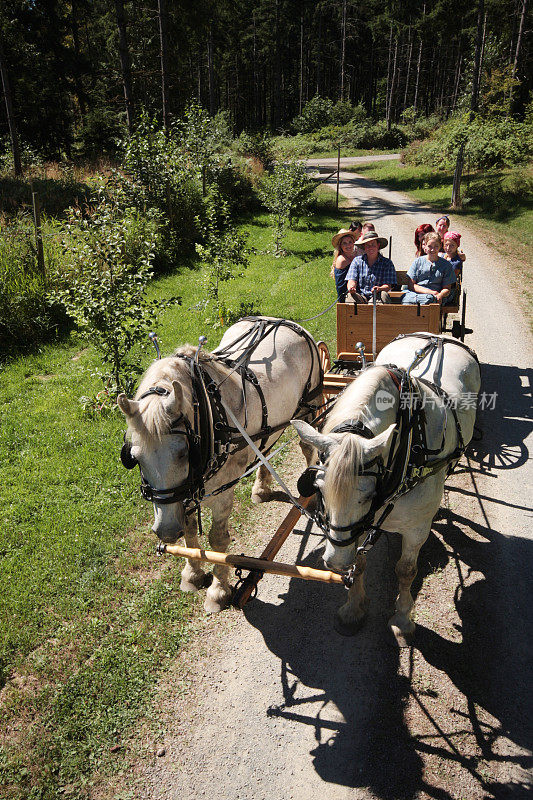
(301, 95)
(80, 94)
(343, 50)
(474, 100)
(417, 82)
(9, 111)
(125, 61)
(409, 56)
(163, 39)
(457, 78)
(392, 86)
(210, 71)
(518, 51)
(387, 93)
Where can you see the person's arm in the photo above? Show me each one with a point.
(444, 292)
(461, 255)
(351, 277)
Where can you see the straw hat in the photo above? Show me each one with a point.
(371, 236)
(340, 235)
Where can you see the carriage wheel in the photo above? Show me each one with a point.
(325, 360)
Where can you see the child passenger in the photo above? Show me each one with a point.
(430, 277)
(442, 226)
(452, 240)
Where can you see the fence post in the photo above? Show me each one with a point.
(338, 169)
(38, 232)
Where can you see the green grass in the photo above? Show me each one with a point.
(88, 616)
(498, 206)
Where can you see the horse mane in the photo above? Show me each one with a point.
(342, 472)
(154, 412)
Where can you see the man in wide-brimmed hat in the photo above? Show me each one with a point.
(371, 270)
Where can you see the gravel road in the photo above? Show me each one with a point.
(279, 706)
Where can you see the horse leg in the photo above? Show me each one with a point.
(351, 616)
(192, 577)
(401, 624)
(219, 593)
(261, 490)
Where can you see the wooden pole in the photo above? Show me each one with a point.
(38, 232)
(274, 567)
(246, 588)
(338, 170)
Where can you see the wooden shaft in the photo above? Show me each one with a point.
(275, 567)
(247, 587)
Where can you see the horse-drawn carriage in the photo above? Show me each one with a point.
(201, 420)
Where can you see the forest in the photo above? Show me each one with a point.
(77, 74)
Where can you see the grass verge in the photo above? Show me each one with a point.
(88, 617)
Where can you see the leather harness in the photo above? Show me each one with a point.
(210, 438)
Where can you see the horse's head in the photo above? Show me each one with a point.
(158, 443)
(347, 483)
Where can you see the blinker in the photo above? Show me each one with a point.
(128, 460)
(307, 482)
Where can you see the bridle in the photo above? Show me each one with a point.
(210, 438)
(361, 525)
(191, 489)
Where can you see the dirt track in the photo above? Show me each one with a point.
(282, 707)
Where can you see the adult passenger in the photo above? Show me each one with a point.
(430, 277)
(344, 251)
(371, 271)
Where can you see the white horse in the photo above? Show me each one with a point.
(373, 400)
(175, 448)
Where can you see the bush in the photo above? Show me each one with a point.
(102, 132)
(110, 254)
(157, 176)
(488, 143)
(258, 146)
(315, 115)
(27, 315)
(224, 255)
(287, 194)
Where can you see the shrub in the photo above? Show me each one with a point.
(315, 115)
(110, 255)
(258, 146)
(157, 176)
(488, 143)
(223, 253)
(26, 314)
(286, 194)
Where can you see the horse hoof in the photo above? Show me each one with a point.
(261, 496)
(213, 606)
(401, 638)
(348, 628)
(201, 582)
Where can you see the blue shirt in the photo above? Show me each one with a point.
(381, 272)
(435, 276)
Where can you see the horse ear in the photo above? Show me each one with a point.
(379, 444)
(309, 435)
(128, 407)
(176, 398)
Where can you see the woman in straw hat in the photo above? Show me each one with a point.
(371, 270)
(343, 255)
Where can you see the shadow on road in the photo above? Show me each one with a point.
(359, 694)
